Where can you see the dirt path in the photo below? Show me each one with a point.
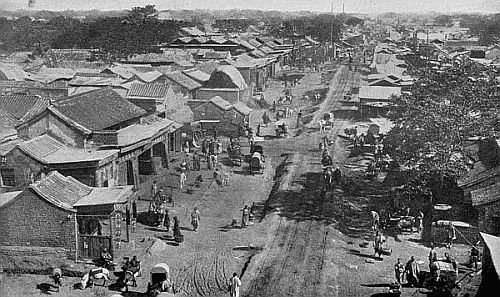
(293, 262)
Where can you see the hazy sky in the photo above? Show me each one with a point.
(359, 6)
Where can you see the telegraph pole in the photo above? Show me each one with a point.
(331, 35)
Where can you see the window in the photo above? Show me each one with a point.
(8, 179)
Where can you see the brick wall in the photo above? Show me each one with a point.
(25, 168)
(29, 220)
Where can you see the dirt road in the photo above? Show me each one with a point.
(293, 262)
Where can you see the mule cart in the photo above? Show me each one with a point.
(442, 279)
(257, 159)
(160, 280)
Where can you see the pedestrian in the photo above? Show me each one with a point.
(245, 216)
(412, 271)
(453, 262)
(299, 120)
(419, 222)
(217, 174)
(195, 219)
(432, 255)
(234, 286)
(196, 161)
(166, 220)
(378, 242)
(375, 220)
(182, 179)
(258, 130)
(399, 270)
(451, 235)
(154, 190)
(161, 215)
(274, 106)
(177, 228)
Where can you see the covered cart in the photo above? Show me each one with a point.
(160, 280)
(281, 129)
(257, 163)
(235, 155)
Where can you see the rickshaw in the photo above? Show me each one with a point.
(235, 155)
(160, 280)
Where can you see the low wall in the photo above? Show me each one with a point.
(37, 260)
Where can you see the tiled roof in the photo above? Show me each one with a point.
(486, 195)
(106, 195)
(98, 110)
(148, 90)
(242, 108)
(17, 105)
(56, 85)
(197, 75)
(40, 147)
(221, 103)
(216, 55)
(477, 175)
(95, 81)
(47, 150)
(140, 132)
(47, 75)
(183, 80)
(60, 190)
(254, 43)
(123, 72)
(12, 71)
(8, 144)
(7, 124)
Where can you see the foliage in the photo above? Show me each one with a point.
(319, 27)
(434, 122)
(487, 28)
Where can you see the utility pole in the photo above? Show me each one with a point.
(331, 35)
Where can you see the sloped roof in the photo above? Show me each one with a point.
(382, 81)
(138, 132)
(197, 75)
(232, 73)
(98, 110)
(378, 93)
(60, 190)
(486, 195)
(148, 90)
(477, 175)
(242, 108)
(493, 244)
(17, 105)
(193, 31)
(217, 55)
(149, 76)
(183, 80)
(66, 192)
(95, 81)
(47, 75)
(48, 150)
(11, 71)
(123, 72)
(7, 124)
(254, 43)
(56, 85)
(221, 103)
(208, 67)
(106, 195)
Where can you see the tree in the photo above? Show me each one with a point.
(434, 122)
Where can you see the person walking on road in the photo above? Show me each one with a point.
(432, 255)
(195, 219)
(245, 217)
(412, 271)
(375, 220)
(154, 190)
(182, 179)
(378, 242)
(451, 235)
(399, 270)
(234, 286)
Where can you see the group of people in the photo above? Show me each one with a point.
(411, 270)
(381, 220)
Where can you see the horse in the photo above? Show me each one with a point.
(93, 274)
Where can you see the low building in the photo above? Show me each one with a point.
(31, 160)
(69, 215)
(227, 83)
(376, 99)
(155, 98)
(487, 203)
